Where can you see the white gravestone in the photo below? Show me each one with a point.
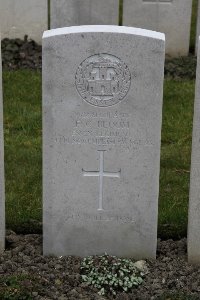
(87, 12)
(194, 203)
(2, 191)
(173, 17)
(102, 112)
(198, 26)
(23, 17)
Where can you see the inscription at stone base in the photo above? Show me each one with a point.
(78, 217)
(158, 1)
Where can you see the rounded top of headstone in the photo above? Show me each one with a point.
(104, 28)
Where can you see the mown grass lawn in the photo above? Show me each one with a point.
(23, 130)
(23, 155)
(175, 157)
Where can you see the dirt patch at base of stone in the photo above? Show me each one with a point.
(27, 54)
(24, 271)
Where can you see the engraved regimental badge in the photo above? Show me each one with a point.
(103, 80)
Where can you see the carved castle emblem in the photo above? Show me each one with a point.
(103, 80)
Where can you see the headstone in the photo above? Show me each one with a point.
(102, 111)
(78, 12)
(23, 17)
(194, 203)
(198, 26)
(2, 191)
(173, 17)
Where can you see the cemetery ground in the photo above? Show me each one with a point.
(24, 272)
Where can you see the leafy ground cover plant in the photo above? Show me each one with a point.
(110, 274)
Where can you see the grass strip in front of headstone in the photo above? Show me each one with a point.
(23, 157)
(175, 158)
(22, 127)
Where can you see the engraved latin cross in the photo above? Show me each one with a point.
(101, 174)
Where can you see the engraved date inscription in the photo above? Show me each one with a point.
(105, 217)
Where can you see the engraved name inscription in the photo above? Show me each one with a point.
(101, 174)
(103, 80)
(102, 129)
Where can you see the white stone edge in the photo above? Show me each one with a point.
(104, 28)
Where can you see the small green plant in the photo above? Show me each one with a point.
(110, 274)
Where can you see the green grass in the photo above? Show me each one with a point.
(22, 125)
(175, 157)
(22, 118)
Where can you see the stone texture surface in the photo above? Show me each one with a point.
(194, 204)
(102, 112)
(2, 189)
(198, 27)
(23, 17)
(173, 17)
(78, 12)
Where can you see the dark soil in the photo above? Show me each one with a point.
(24, 271)
(27, 54)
